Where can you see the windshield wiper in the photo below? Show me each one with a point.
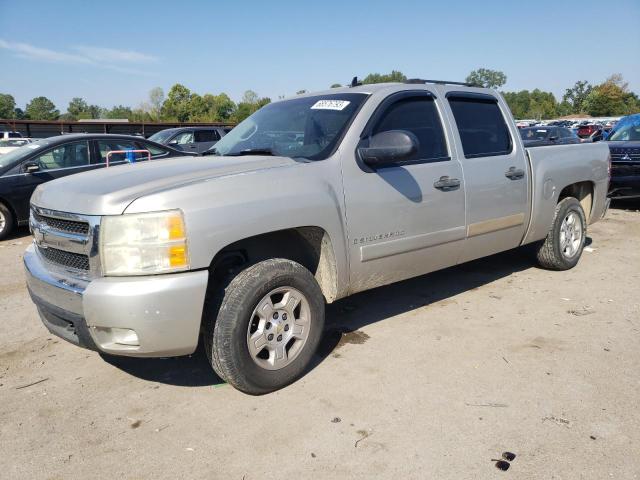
(252, 151)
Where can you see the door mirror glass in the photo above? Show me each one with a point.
(31, 167)
(389, 148)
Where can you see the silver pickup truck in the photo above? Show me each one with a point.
(307, 201)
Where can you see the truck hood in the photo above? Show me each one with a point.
(108, 191)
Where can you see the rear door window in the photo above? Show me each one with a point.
(119, 151)
(206, 136)
(183, 138)
(483, 130)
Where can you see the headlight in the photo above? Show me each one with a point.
(143, 243)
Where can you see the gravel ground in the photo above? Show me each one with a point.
(429, 378)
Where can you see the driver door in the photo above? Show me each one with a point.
(401, 223)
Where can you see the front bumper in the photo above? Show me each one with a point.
(624, 187)
(164, 311)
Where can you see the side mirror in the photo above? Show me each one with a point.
(553, 138)
(31, 167)
(389, 148)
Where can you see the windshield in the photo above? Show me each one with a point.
(15, 156)
(626, 133)
(306, 127)
(162, 136)
(533, 133)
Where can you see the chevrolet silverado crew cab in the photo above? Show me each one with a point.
(307, 201)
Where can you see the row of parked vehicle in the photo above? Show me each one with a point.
(585, 130)
(26, 163)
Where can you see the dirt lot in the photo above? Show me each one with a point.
(429, 378)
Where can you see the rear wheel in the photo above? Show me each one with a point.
(267, 327)
(6, 222)
(563, 246)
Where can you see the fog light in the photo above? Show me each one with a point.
(116, 336)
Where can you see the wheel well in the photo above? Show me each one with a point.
(309, 246)
(10, 208)
(583, 192)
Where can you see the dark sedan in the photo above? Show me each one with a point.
(549, 135)
(22, 170)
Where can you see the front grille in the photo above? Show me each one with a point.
(70, 226)
(65, 259)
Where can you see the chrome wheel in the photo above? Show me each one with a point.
(279, 328)
(571, 232)
(3, 222)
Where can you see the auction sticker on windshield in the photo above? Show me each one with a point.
(330, 105)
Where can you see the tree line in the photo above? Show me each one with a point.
(609, 98)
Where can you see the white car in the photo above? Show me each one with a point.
(9, 144)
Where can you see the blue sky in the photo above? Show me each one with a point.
(113, 52)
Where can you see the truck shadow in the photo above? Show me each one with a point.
(345, 317)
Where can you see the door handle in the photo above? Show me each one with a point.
(445, 183)
(514, 173)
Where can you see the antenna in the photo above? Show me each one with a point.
(355, 82)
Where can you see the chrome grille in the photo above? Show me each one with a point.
(630, 154)
(62, 225)
(68, 242)
(65, 259)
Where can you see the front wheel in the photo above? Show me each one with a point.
(267, 328)
(6, 222)
(563, 246)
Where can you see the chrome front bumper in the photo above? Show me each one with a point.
(164, 311)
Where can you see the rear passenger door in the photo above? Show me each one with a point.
(495, 172)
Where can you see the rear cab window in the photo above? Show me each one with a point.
(482, 127)
(206, 136)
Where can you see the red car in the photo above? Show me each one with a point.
(593, 131)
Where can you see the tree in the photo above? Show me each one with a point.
(7, 106)
(156, 99)
(249, 97)
(77, 106)
(576, 95)
(176, 106)
(335, 85)
(250, 103)
(534, 104)
(18, 114)
(41, 108)
(612, 97)
(394, 76)
(301, 92)
(485, 77)
(119, 111)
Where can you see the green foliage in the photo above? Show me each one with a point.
(486, 77)
(534, 104)
(177, 105)
(394, 76)
(576, 95)
(335, 85)
(612, 97)
(156, 99)
(300, 92)
(119, 111)
(7, 106)
(41, 108)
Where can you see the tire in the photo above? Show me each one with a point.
(553, 254)
(293, 330)
(7, 222)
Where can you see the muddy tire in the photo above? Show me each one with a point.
(565, 241)
(7, 222)
(263, 332)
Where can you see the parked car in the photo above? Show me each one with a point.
(4, 134)
(624, 145)
(9, 144)
(540, 136)
(308, 200)
(190, 139)
(592, 132)
(23, 169)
